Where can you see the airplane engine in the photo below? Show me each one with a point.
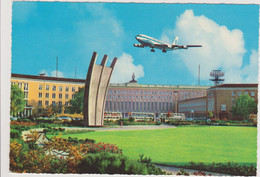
(183, 47)
(138, 45)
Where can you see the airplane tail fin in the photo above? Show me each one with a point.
(175, 42)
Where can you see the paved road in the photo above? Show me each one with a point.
(175, 170)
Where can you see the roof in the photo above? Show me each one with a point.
(48, 78)
(235, 85)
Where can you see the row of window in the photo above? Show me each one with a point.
(234, 93)
(48, 103)
(22, 85)
(54, 87)
(139, 97)
(138, 106)
(193, 93)
(139, 92)
(194, 109)
(192, 104)
(47, 95)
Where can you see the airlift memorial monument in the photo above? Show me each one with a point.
(97, 82)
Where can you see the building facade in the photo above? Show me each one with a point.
(43, 91)
(134, 97)
(221, 98)
(194, 108)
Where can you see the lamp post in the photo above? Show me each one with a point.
(176, 94)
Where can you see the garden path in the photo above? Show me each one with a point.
(175, 170)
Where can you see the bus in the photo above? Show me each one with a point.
(142, 116)
(173, 116)
(114, 116)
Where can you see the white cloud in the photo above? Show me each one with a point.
(250, 72)
(124, 69)
(102, 32)
(222, 48)
(60, 74)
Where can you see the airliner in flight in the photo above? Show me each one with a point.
(147, 41)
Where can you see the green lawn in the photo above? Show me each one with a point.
(184, 144)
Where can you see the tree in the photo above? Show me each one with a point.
(245, 105)
(17, 100)
(76, 103)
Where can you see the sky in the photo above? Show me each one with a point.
(43, 31)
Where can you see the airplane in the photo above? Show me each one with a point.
(147, 41)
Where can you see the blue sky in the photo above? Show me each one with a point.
(41, 31)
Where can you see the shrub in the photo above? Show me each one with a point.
(108, 163)
(23, 123)
(76, 131)
(228, 168)
(15, 134)
(53, 131)
(77, 141)
(102, 147)
(151, 168)
(183, 172)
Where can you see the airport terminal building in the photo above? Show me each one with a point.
(42, 91)
(132, 97)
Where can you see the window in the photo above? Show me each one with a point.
(239, 93)
(54, 88)
(25, 87)
(73, 96)
(60, 88)
(53, 103)
(73, 89)
(20, 85)
(246, 93)
(40, 103)
(26, 95)
(233, 93)
(47, 87)
(60, 103)
(40, 95)
(47, 95)
(67, 89)
(53, 95)
(40, 87)
(252, 93)
(66, 103)
(46, 103)
(60, 96)
(66, 96)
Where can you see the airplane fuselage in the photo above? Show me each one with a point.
(147, 41)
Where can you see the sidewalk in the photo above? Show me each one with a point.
(175, 170)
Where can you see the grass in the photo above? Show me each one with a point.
(181, 145)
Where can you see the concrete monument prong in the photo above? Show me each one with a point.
(97, 82)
